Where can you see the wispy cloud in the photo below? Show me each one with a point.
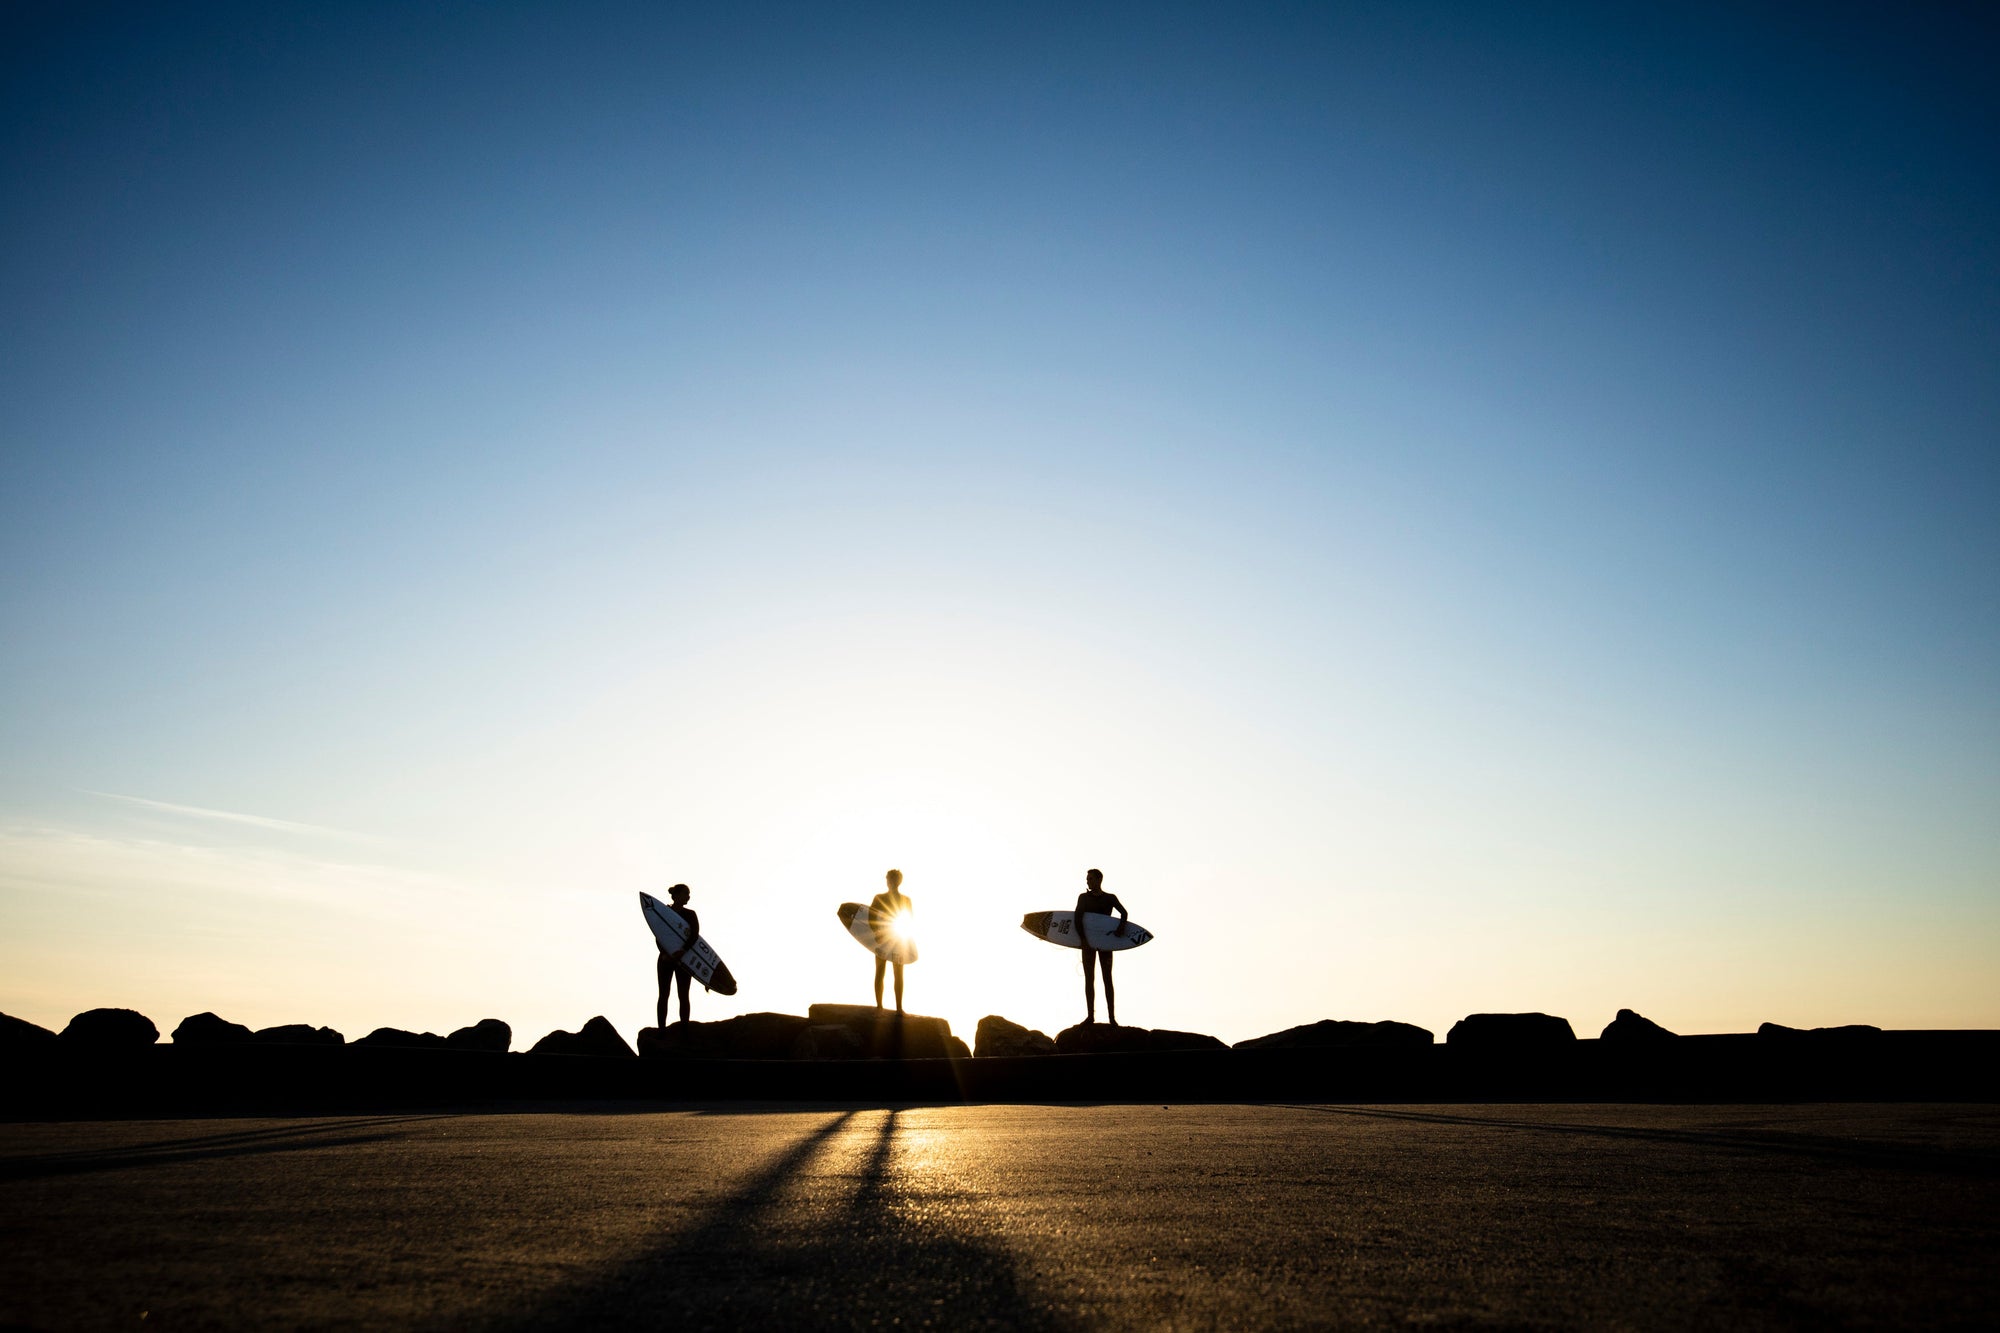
(233, 817)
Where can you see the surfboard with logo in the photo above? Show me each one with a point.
(1100, 930)
(670, 928)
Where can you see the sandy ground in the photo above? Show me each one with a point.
(1042, 1216)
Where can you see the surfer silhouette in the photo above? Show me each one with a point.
(1095, 899)
(883, 910)
(671, 969)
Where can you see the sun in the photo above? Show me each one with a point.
(900, 927)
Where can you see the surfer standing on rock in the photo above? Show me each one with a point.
(888, 914)
(1095, 899)
(671, 968)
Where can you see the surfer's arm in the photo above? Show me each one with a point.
(1123, 915)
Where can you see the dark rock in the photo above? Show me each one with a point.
(110, 1029)
(1096, 1038)
(1848, 1032)
(762, 1036)
(396, 1037)
(998, 1037)
(597, 1037)
(1339, 1034)
(1510, 1032)
(828, 1041)
(206, 1029)
(886, 1034)
(1629, 1026)
(299, 1034)
(488, 1034)
(15, 1032)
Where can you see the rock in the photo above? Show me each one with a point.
(110, 1029)
(1848, 1032)
(1339, 1034)
(597, 1037)
(762, 1036)
(1096, 1038)
(828, 1041)
(396, 1037)
(1510, 1032)
(205, 1029)
(488, 1034)
(17, 1032)
(1629, 1026)
(998, 1037)
(299, 1034)
(885, 1034)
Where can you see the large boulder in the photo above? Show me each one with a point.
(110, 1029)
(205, 1029)
(488, 1034)
(998, 1037)
(597, 1037)
(397, 1037)
(1510, 1033)
(760, 1036)
(298, 1034)
(1339, 1034)
(886, 1034)
(1631, 1027)
(18, 1032)
(1099, 1038)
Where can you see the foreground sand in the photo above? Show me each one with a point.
(1019, 1216)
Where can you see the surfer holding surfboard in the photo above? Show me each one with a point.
(671, 968)
(889, 920)
(1095, 899)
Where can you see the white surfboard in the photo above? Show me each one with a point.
(1098, 927)
(855, 917)
(670, 928)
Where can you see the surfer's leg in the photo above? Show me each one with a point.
(880, 964)
(685, 978)
(899, 988)
(1110, 995)
(666, 974)
(1089, 986)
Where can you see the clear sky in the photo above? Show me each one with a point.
(1451, 509)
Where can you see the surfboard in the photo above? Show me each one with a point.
(670, 928)
(1060, 928)
(855, 917)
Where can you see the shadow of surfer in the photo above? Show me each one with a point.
(887, 914)
(1095, 899)
(672, 971)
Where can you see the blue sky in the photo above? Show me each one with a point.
(1482, 510)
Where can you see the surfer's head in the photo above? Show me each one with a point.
(895, 878)
(679, 893)
(1094, 878)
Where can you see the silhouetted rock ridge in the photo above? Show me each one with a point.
(1339, 1034)
(1628, 1026)
(110, 1029)
(1510, 1032)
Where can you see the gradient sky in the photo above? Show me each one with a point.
(1452, 510)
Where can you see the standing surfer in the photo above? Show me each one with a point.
(671, 969)
(1095, 899)
(888, 915)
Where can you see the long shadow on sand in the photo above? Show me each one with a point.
(1789, 1143)
(313, 1136)
(774, 1256)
